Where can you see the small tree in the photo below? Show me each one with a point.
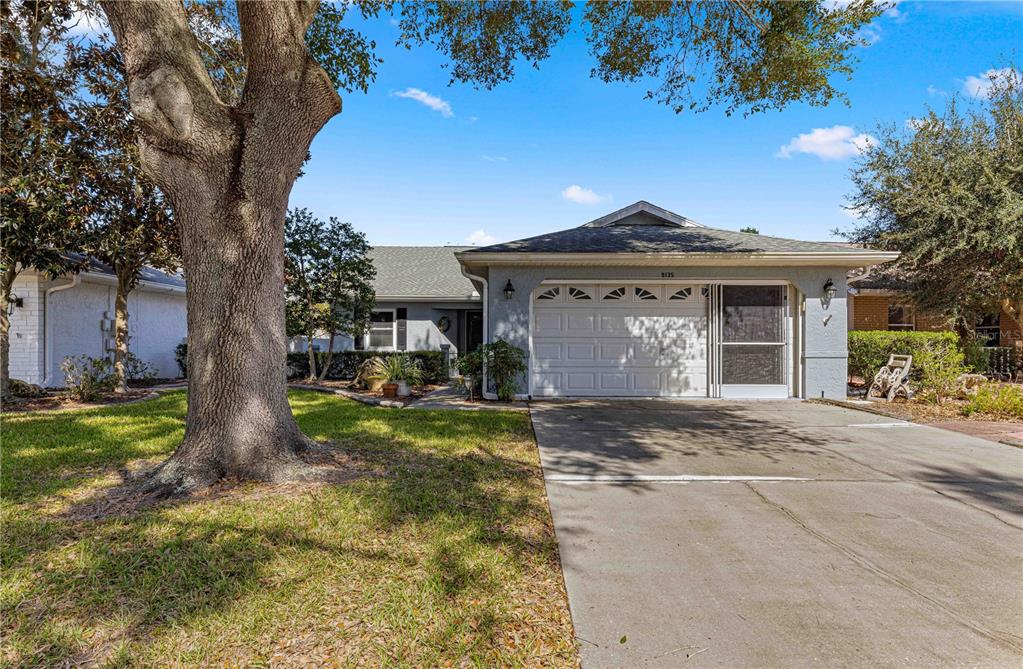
(947, 193)
(130, 226)
(41, 218)
(328, 275)
(749, 229)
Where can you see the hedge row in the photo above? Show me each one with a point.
(344, 365)
(869, 349)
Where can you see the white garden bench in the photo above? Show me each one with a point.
(892, 380)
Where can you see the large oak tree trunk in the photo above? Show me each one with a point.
(6, 283)
(228, 173)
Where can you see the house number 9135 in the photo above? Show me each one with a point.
(667, 275)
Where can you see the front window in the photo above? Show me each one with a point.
(381, 333)
(900, 317)
(988, 329)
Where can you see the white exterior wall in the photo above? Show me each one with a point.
(27, 329)
(72, 319)
(342, 342)
(823, 326)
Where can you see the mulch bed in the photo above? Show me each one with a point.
(61, 401)
(418, 392)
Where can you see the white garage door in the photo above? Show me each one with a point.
(619, 339)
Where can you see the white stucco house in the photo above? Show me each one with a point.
(74, 315)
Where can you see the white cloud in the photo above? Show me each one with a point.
(581, 195)
(496, 159)
(980, 86)
(935, 91)
(915, 124)
(835, 143)
(480, 237)
(869, 34)
(432, 101)
(84, 24)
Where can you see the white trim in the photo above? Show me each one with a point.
(486, 326)
(143, 285)
(785, 258)
(424, 298)
(394, 332)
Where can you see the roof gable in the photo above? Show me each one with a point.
(642, 213)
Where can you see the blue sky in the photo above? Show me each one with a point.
(416, 161)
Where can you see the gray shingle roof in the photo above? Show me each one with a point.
(420, 271)
(148, 274)
(642, 229)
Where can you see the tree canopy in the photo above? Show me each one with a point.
(947, 191)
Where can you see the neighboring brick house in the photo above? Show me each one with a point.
(874, 304)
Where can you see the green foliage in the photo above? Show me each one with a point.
(181, 357)
(40, 188)
(344, 365)
(328, 277)
(1000, 400)
(129, 225)
(940, 368)
(751, 56)
(869, 349)
(947, 193)
(470, 368)
(137, 369)
(402, 367)
(88, 378)
(503, 363)
(750, 230)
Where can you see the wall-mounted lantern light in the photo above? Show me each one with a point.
(830, 290)
(509, 290)
(15, 301)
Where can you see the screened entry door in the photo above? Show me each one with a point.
(752, 342)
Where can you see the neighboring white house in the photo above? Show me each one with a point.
(74, 315)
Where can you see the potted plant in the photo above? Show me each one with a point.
(401, 372)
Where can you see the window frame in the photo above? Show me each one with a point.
(992, 332)
(394, 331)
(909, 326)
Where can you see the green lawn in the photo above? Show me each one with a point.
(446, 557)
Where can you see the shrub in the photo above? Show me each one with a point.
(505, 364)
(402, 367)
(87, 378)
(869, 349)
(181, 357)
(997, 399)
(345, 365)
(940, 369)
(136, 369)
(470, 367)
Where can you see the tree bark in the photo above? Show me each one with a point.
(330, 355)
(6, 284)
(121, 334)
(312, 357)
(228, 173)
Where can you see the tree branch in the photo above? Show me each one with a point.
(171, 93)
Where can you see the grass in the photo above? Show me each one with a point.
(447, 559)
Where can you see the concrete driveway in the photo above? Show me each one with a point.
(781, 534)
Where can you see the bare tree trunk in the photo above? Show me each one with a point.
(311, 353)
(330, 355)
(6, 283)
(121, 335)
(228, 173)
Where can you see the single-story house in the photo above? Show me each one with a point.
(875, 302)
(423, 303)
(74, 315)
(644, 302)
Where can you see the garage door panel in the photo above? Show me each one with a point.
(621, 347)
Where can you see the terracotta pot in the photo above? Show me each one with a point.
(390, 390)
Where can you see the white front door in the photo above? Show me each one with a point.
(611, 339)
